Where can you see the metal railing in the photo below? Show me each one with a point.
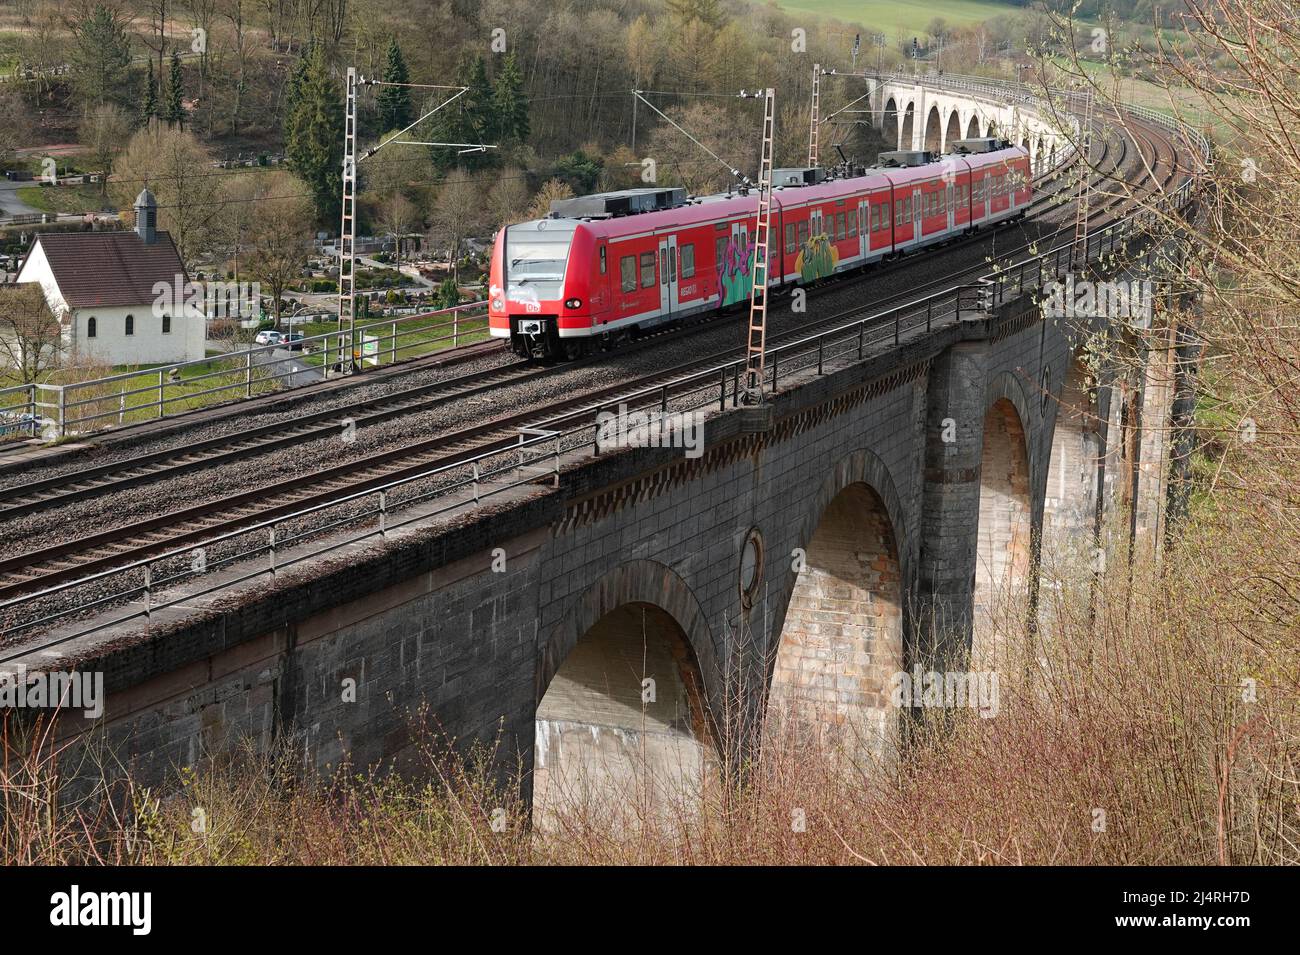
(503, 468)
(718, 387)
(133, 396)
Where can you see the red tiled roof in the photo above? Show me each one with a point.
(98, 269)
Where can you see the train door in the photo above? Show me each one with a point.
(864, 228)
(669, 280)
(740, 242)
(916, 214)
(665, 284)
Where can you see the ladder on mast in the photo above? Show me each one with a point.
(757, 349)
(813, 137)
(348, 230)
(1081, 210)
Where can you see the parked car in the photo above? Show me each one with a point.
(269, 338)
(23, 424)
(293, 341)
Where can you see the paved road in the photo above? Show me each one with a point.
(10, 204)
(296, 372)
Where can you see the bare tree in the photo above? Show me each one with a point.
(104, 132)
(398, 217)
(31, 338)
(456, 211)
(507, 200)
(281, 231)
(16, 127)
(178, 170)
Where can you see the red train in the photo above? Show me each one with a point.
(601, 266)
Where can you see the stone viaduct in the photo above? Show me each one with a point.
(932, 112)
(882, 514)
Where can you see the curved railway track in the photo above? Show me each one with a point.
(48, 566)
(42, 493)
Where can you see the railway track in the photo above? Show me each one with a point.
(97, 480)
(69, 560)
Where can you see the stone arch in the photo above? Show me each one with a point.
(1004, 531)
(622, 731)
(973, 127)
(1070, 497)
(633, 581)
(906, 134)
(841, 637)
(933, 130)
(889, 123)
(952, 132)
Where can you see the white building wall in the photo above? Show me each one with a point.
(111, 345)
(147, 346)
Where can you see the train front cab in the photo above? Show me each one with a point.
(540, 291)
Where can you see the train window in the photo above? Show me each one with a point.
(898, 217)
(627, 273)
(884, 215)
(839, 226)
(803, 232)
(672, 263)
(789, 238)
(853, 223)
(875, 218)
(647, 269)
(602, 260)
(688, 261)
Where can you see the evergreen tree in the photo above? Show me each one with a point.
(297, 77)
(471, 119)
(149, 102)
(509, 105)
(314, 137)
(175, 94)
(708, 12)
(395, 101)
(101, 56)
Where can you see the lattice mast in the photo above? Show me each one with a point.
(813, 136)
(348, 230)
(757, 350)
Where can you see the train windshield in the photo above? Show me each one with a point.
(536, 257)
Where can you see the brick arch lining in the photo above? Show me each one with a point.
(634, 581)
(1069, 500)
(841, 633)
(1005, 528)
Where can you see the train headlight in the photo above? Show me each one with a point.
(498, 305)
(573, 303)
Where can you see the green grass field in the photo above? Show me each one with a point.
(223, 379)
(892, 17)
(63, 198)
